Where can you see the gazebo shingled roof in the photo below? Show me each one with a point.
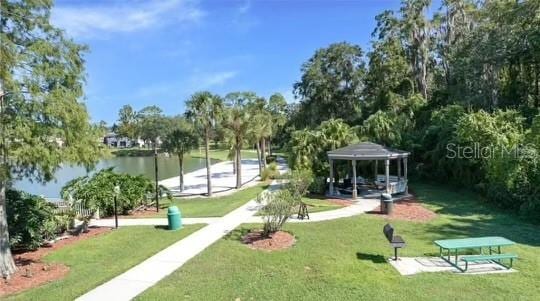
(366, 151)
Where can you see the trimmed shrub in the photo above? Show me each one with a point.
(97, 191)
(270, 172)
(299, 183)
(278, 207)
(31, 220)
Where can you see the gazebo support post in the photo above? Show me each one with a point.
(405, 174)
(387, 174)
(376, 169)
(354, 193)
(399, 169)
(331, 177)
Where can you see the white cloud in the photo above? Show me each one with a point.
(244, 8)
(129, 16)
(207, 80)
(243, 21)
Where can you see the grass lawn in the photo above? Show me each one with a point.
(216, 154)
(97, 260)
(345, 259)
(221, 154)
(318, 204)
(215, 206)
(134, 152)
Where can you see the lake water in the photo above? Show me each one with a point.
(168, 167)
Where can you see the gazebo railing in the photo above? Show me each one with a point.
(397, 185)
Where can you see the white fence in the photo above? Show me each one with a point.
(63, 207)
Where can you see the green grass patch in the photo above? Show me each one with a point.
(215, 154)
(345, 259)
(222, 154)
(97, 260)
(214, 206)
(319, 203)
(316, 203)
(134, 152)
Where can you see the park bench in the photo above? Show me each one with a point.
(494, 257)
(395, 241)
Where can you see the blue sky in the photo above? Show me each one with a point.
(159, 52)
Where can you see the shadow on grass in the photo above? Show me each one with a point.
(161, 227)
(469, 215)
(375, 258)
(317, 196)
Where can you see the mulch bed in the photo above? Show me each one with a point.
(32, 271)
(143, 212)
(277, 241)
(408, 209)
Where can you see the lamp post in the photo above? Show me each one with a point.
(116, 193)
(156, 176)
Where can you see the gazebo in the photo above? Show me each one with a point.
(374, 152)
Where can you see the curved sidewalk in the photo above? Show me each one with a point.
(357, 208)
(146, 274)
(136, 280)
(360, 207)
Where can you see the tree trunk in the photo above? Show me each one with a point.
(537, 81)
(208, 171)
(234, 163)
(7, 265)
(259, 157)
(263, 143)
(238, 168)
(181, 171)
(270, 146)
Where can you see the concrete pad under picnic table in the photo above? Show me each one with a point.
(415, 265)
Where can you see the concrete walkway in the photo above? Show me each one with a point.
(359, 207)
(363, 205)
(223, 178)
(415, 265)
(146, 274)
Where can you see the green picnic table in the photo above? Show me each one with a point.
(490, 242)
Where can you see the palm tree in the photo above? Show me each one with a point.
(180, 141)
(265, 120)
(205, 109)
(237, 122)
(277, 106)
(260, 129)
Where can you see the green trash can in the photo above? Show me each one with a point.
(174, 217)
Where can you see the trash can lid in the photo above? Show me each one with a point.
(386, 197)
(173, 209)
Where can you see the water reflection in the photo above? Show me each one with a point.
(168, 167)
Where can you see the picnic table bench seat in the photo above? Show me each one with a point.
(476, 258)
